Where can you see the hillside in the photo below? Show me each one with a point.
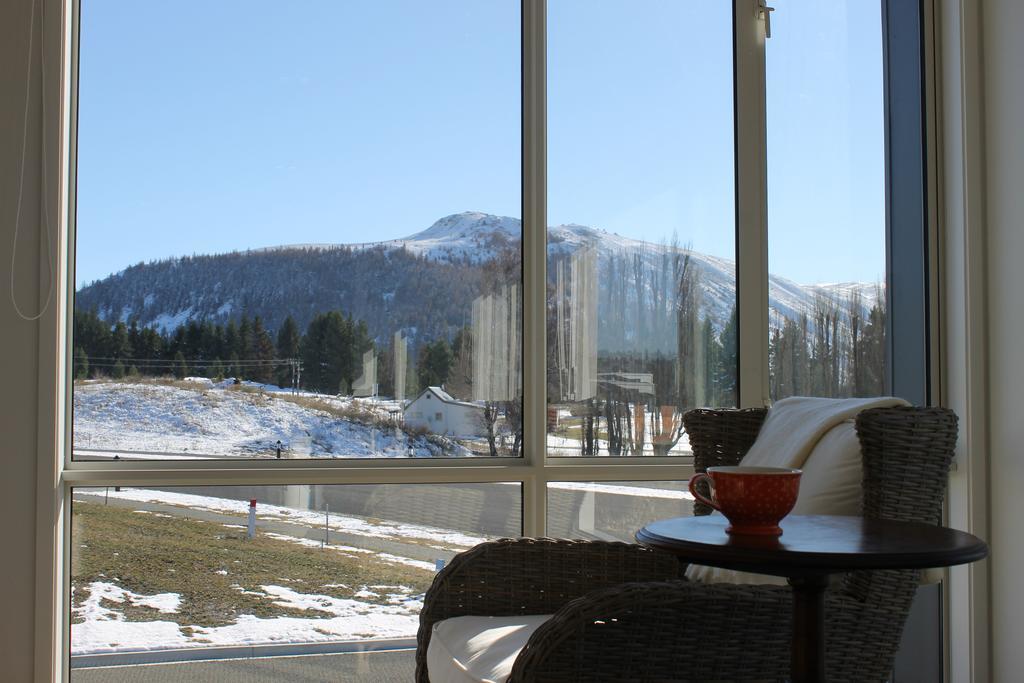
(201, 418)
(424, 284)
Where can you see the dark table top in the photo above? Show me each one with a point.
(815, 545)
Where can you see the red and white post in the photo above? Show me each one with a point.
(252, 518)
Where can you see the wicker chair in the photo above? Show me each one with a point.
(622, 612)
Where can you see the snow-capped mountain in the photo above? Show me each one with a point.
(424, 284)
(470, 235)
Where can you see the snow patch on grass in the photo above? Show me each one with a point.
(92, 607)
(104, 630)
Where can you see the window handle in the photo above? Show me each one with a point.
(764, 13)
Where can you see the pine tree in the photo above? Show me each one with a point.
(873, 363)
(193, 340)
(230, 345)
(712, 364)
(728, 362)
(460, 380)
(244, 346)
(326, 353)
(81, 367)
(134, 339)
(120, 346)
(855, 377)
(288, 340)
(175, 344)
(91, 334)
(151, 347)
(180, 366)
(435, 364)
(263, 351)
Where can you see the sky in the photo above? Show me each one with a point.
(212, 126)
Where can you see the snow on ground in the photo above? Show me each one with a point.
(92, 608)
(217, 420)
(566, 446)
(104, 630)
(561, 445)
(314, 519)
(419, 564)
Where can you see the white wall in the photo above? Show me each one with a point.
(456, 420)
(1003, 26)
(19, 355)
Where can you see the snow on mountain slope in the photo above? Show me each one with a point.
(388, 284)
(479, 236)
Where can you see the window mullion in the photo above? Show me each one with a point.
(751, 202)
(534, 141)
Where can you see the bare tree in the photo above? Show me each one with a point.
(686, 306)
(514, 423)
(588, 428)
(489, 420)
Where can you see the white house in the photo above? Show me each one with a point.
(439, 413)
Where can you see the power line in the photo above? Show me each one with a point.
(162, 361)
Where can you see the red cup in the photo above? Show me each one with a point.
(753, 499)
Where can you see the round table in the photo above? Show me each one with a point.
(810, 549)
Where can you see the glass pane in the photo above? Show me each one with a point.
(641, 272)
(298, 229)
(613, 510)
(313, 570)
(826, 199)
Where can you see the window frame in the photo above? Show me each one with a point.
(533, 471)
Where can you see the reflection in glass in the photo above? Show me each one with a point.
(826, 200)
(641, 297)
(298, 228)
(613, 510)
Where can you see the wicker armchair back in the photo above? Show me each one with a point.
(720, 438)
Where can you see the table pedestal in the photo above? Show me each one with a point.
(807, 653)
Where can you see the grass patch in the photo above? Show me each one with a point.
(352, 411)
(217, 571)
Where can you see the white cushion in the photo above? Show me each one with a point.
(831, 483)
(478, 649)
